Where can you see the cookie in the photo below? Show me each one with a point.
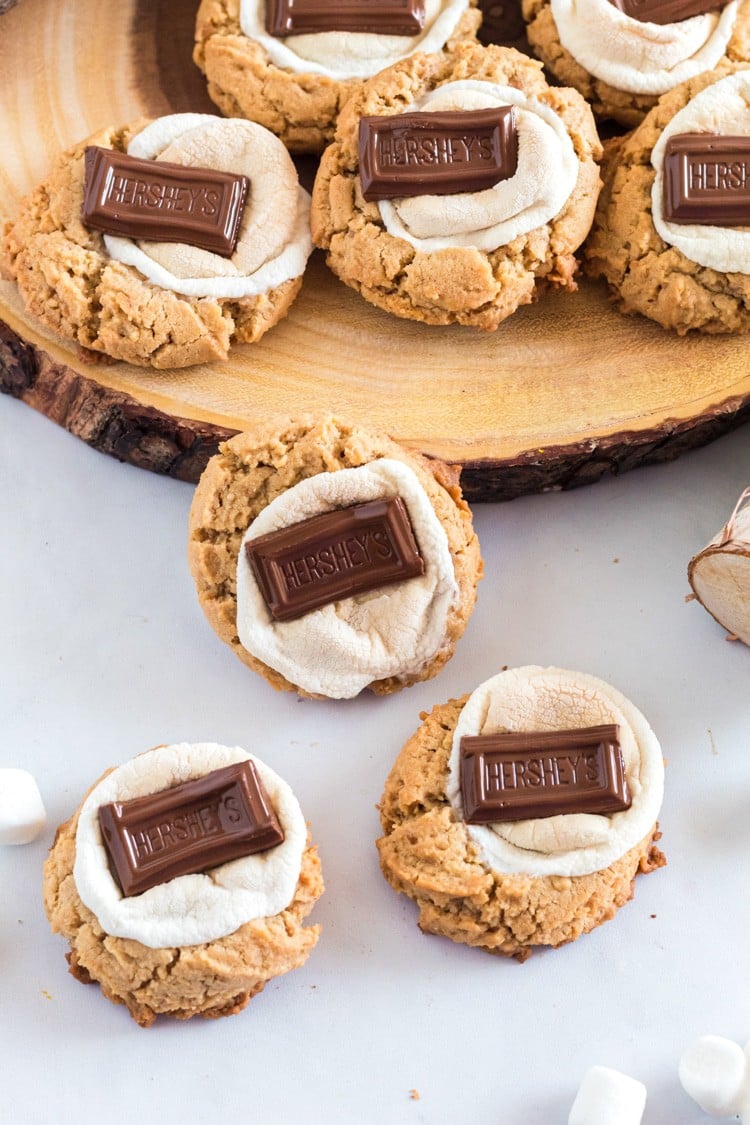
(622, 65)
(684, 274)
(367, 620)
(205, 941)
(296, 85)
(506, 885)
(157, 303)
(472, 256)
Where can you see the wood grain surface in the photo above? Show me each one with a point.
(564, 391)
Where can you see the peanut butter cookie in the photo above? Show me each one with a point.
(507, 887)
(623, 66)
(685, 276)
(383, 636)
(163, 304)
(200, 943)
(296, 85)
(473, 256)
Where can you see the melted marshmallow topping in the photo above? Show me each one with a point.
(549, 699)
(638, 57)
(340, 648)
(351, 54)
(545, 177)
(190, 909)
(274, 238)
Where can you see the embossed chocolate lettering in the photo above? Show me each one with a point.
(334, 556)
(382, 17)
(666, 11)
(521, 776)
(190, 828)
(707, 179)
(436, 153)
(163, 202)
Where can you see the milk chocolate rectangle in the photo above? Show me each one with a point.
(436, 153)
(333, 556)
(707, 179)
(163, 202)
(381, 17)
(666, 11)
(521, 776)
(189, 828)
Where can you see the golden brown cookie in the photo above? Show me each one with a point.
(211, 978)
(626, 107)
(301, 108)
(647, 274)
(339, 642)
(428, 853)
(70, 282)
(456, 277)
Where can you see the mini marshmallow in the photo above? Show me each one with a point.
(714, 1073)
(22, 815)
(608, 1097)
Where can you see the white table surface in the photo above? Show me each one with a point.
(105, 652)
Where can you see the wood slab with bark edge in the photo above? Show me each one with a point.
(563, 392)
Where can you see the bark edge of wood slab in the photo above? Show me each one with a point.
(116, 424)
(108, 420)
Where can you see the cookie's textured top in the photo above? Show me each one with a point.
(373, 247)
(254, 469)
(549, 699)
(649, 275)
(274, 238)
(190, 909)
(347, 54)
(340, 648)
(545, 175)
(721, 108)
(638, 57)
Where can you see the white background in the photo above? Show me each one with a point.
(105, 652)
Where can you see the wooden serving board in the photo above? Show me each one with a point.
(563, 392)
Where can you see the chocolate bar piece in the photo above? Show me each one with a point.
(189, 828)
(163, 202)
(666, 11)
(521, 776)
(707, 179)
(334, 556)
(382, 17)
(436, 153)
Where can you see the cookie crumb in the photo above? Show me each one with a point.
(690, 598)
(615, 560)
(731, 637)
(414, 1095)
